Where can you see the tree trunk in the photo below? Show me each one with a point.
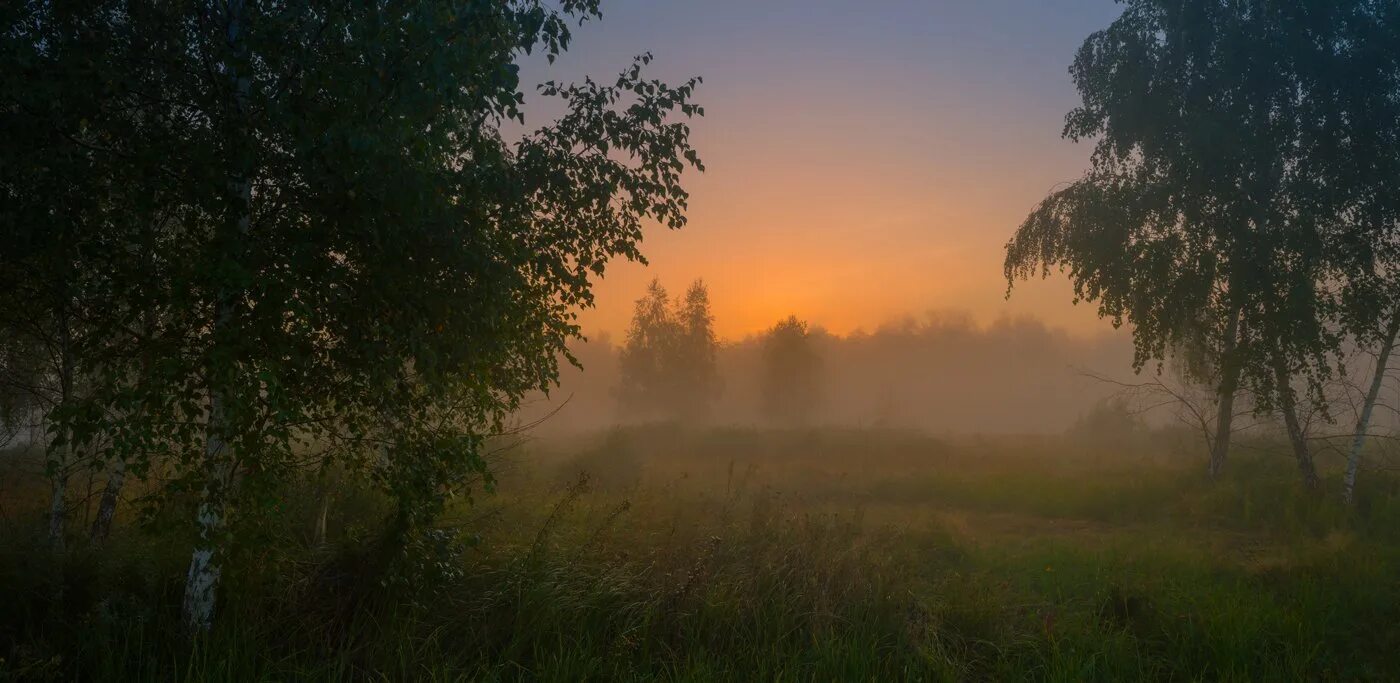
(1289, 407)
(320, 539)
(58, 460)
(1364, 420)
(323, 493)
(205, 568)
(58, 507)
(87, 497)
(1225, 403)
(107, 507)
(202, 580)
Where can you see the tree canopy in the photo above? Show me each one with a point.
(303, 234)
(1225, 212)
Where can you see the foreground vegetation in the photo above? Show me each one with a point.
(769, 555)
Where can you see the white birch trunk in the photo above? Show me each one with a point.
(59, 457)
(202, 580)
(1363, 422)
(58, 507)
(107, 507)
(1289, 407)
(1225, 405)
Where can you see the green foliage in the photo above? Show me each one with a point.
(297, 236)
(1234, 146)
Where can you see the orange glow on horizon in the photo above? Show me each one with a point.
(853, 192)
(895, 232)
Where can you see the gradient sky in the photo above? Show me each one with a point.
(866, 160)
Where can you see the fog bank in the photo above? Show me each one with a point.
(942, 373)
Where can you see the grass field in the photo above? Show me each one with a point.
(703, 555)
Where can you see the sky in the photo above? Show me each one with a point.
(866, 161)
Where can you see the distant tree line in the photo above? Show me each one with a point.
(667, 365)
(944, 372)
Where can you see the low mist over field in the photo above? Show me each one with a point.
(941, 373)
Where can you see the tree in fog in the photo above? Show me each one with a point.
(1373, 314)
(1221, 214)
(790, 380)
(1359, 150)
(645, 363)
(352, 264)
(667, 364)
(696, 351)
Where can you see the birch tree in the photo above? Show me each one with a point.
(647, 361)
(698, 348)
(1384, 349)
(1216, 203)
(1362, 158)
(350, 248)
(61, 208)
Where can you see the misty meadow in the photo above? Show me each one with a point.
(725, 341)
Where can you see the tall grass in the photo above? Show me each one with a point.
(670, 554)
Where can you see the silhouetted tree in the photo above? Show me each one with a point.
(667, 364)
(646, 363)
(1212, 219)
(351, 252)
(696, 352)
(791, 376)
